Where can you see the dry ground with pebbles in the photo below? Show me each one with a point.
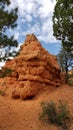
(24, 114)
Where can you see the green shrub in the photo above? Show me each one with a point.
(70, 82)
(58, 115)
(70, 75)
(70, 79)
(2, 93)
(5, 72)
(49, 111)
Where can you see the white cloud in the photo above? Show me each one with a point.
(16, 35)
(2, 64)
(35, 16)
(28, 17)
(46, 7)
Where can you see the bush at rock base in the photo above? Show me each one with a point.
(2, 93)
(5, 72)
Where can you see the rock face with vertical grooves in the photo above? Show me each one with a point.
(33, 68)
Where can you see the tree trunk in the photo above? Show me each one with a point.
(66, 78)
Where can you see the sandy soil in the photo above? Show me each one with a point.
(24, 115)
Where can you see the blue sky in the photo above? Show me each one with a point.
(35, 16)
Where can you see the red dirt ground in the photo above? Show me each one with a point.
(24, 114)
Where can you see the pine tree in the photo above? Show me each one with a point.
(63, 23)
(63, 30)
(65, 61)
(7, 20)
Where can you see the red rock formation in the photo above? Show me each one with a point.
(33, 69)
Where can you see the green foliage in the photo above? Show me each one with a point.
(70, 82)
(5, 72)
(48, 110)
(65, 60)
(18, 53)
(63, 115)
(62, 27)
(58, 115)
(63, 24)
(8, 20)
(70, 75)
(2, 93)
(70, 78)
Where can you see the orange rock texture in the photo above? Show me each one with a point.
(33, 68)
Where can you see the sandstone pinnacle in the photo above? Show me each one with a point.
(34, 68)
